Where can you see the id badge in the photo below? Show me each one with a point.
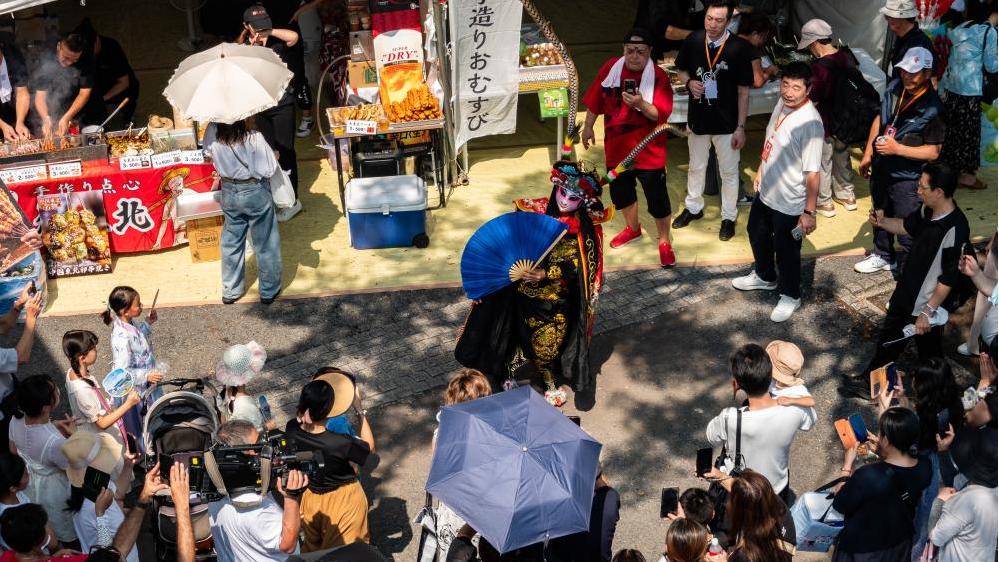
(767, 147)
(890, 131)
(710, 88)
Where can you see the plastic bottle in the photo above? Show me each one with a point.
(265, 408)
(715, 548)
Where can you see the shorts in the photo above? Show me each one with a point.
(623, 194)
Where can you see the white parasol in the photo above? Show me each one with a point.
(228, 83)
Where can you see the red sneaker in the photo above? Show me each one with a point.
(625, 236)
(666, 256)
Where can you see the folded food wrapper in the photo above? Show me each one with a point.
(118, 383)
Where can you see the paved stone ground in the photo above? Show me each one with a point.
(661, 346)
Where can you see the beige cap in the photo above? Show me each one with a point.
(901, 9)
(787, 362)
(99, 450)
(812, 31)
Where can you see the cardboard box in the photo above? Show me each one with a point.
(362, 46)
(204, 237)
(362, 74)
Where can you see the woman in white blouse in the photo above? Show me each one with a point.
(39, 441)
(245, 163)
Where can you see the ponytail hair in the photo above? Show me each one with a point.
(120, 299)
(76, 344)
(900, 427)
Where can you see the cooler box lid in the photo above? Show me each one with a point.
(386, 194)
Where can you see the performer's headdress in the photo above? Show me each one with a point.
(576, 178)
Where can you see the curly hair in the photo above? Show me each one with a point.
(467, 384)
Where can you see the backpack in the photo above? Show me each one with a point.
(855, 104)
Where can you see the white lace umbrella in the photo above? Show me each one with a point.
(227, 83)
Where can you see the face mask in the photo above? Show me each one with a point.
(567, 201)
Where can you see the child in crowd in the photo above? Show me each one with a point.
(86, 399)
(239, 365)
(13, 481)
(788, 387)
(130, 349)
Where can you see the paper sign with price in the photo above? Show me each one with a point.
(66, 170)
(359, 127)
(136, 162)
(166, 159)
(25, 174)
(192, 157)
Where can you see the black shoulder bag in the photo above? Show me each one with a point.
(721, 523)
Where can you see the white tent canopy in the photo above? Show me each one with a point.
(8, 6)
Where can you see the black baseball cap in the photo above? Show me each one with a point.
(258, 18)
(639, 36)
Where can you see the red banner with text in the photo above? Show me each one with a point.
(140, 205)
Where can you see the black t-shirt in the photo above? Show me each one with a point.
(732, 69)
(293, 57)
(936, 249)
(918, 123)
(112, 64)
(914, 38)
(52, 77)
(657, 15)
(17, 70)
(875, 515)
(338, 452)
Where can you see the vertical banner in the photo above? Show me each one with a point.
(486, 61)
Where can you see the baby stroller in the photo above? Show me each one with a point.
(180, 425)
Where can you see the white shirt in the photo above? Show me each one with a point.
(87, 407)
(966, 529)
(257, 157)
(8, 366)
(85, 522)
(245, 408)
(793, 148)
(247, 535)
(22, 499)
(766, 437)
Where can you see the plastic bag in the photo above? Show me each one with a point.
(281, 189)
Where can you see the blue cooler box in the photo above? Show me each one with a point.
(386, 212)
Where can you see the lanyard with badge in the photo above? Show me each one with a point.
(890, 130)
(769, 145)
(708, 78)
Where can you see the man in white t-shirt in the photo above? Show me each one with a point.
(767, 427)
(788, 184)
(256, 533)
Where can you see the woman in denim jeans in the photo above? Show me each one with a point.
(245, 163)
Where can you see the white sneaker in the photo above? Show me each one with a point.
(752, 282)
(965, 349)
(284, 215)
(828, 210)
(785, 308)
(304, 128)
(872, 264)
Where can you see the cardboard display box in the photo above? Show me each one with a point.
(362, 74)
(362, 46)
(204, 237)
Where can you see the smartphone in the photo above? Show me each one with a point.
(630, 86)
(32, 289)
(130, 442)
(166, 462)
(879, 380)
(943, 422)
(575, 420)
(968, 250)
(704, 457)
(891, 375)
(859, 429)
(94, 481)
(846, 433)
(670, 502)
(797, 232)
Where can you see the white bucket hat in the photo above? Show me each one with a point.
(240, 363)
(901, 9)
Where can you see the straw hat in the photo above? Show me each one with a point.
(99, 450)
(240, 363)
(787, 361)
(343, 392)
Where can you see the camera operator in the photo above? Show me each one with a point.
(334, 508)
(261, 532)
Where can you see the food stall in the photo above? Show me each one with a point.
(100, 193)
(543, 72)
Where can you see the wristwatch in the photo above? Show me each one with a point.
(809, 213)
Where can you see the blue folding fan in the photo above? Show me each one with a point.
(505, 248)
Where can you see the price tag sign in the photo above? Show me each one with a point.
(66, 170)
(192, 157)
(554, 102)
(359, 127)
(166, 159)
(136, 162)
(24, 174)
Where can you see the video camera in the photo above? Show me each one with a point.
(240, 467)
